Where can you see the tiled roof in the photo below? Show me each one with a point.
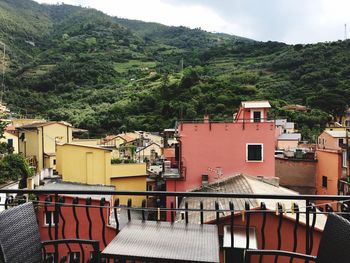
(242, 184)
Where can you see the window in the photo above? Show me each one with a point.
(324, 181)
(345, 159)
(10, 142)
(54, 161)
(257, 116)
(254, 152)
(340, 142)
(49, 217)
(74, 257)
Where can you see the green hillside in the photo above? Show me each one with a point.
(109, 74)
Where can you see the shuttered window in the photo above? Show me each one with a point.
(254, 152)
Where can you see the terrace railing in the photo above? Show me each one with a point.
(68, 217)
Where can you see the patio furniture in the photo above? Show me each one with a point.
(165, 242)
(20, 239)
(334, 244)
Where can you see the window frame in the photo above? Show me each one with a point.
(252, 119)
(262, 153)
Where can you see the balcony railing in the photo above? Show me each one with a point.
(87, 214)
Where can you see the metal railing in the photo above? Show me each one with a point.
(80, 217)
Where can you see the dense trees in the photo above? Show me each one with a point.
(110, 75)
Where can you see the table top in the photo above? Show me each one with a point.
(240, 237)
(165, 242)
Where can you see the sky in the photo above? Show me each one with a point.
(289, 21)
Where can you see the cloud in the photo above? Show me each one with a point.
(291, 21)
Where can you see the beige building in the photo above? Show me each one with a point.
(288, 141)
(38, 141)
(150, 152)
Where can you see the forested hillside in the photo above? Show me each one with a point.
(109, 75)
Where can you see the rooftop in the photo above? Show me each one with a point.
(243, 184)
(41, 124)
(337, 134)
(255, 104)
(289, 137)
(60, 185)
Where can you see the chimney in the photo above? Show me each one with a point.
(206, 118)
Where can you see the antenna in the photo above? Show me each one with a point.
(345, 33)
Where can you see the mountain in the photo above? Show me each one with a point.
(109, 74)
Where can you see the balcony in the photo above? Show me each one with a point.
(259, 221)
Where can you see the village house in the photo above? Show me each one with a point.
(247, 211)
(95, 167)
(332, 164)
(209, 151)
(38, 141)
(288, 141)
(149, 153)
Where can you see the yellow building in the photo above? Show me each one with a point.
(11, 139)
(92, 165)
(37, 141)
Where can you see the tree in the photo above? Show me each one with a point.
(15, 167)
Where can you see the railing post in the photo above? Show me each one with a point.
(158, 209)
(56, 226)
(128, 208)
(247, 209)
(116, 205)
(201, 212)
(307, 237)
(172, 212)
(143, 209)
(232, 208)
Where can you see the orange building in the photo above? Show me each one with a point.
(332, 164)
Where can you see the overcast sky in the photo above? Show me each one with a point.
(290, 21)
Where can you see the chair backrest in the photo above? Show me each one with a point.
(335, 243)
(19, 235)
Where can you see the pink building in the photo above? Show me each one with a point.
(212, 150)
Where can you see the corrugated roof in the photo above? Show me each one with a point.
(246, 185)
(256, 104)
(289, 137)
(337, 134)
(60, 185)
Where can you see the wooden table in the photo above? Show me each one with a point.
(165, 242)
